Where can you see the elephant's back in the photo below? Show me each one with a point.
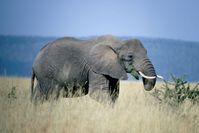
(62, 56)
(60, 47)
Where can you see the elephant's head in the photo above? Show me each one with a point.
(116, 61)
(133, 57)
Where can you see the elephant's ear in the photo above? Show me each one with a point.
(104, 60)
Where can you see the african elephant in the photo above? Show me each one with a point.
(96, 65)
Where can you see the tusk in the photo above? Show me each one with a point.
(147, 77)
(160, 77)
(150, 77)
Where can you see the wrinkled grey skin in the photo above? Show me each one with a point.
(94, 65)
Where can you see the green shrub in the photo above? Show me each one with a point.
(177, 91)
(12, 93)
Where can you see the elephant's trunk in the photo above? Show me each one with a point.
(148, 75)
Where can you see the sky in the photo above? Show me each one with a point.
(175, 19)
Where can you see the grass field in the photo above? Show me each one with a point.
(136, 111)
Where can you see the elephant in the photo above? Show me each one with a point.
(93, 66)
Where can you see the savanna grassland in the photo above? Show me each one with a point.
(136, 111)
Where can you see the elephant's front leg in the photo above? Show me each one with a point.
(99, 88)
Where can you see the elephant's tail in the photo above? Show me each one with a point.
(32, 82)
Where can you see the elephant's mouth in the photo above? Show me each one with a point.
(129, 68)
(148, 81)
(136, 75)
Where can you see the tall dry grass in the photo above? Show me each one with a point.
(136, 111)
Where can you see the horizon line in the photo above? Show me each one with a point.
(90, 36)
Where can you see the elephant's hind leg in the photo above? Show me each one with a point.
(41, 91)
(37, 96)
(50, 89)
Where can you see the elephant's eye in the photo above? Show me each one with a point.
(130, 56)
